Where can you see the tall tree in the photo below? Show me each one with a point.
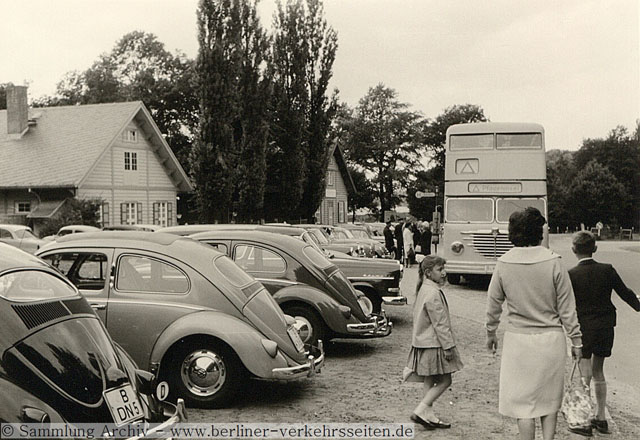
(596, 195)
(385, 139)
(214, 152)
(303, 53)
(619, 152)
(366, 195)
(561, 173)
(252, 128)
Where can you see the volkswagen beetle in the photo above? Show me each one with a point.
(57, 362)
(303, 281)
(184, 311)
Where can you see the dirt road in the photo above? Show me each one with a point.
(361, 383)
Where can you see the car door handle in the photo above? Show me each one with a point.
(95, 306)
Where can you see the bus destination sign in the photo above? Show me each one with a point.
(496, 187)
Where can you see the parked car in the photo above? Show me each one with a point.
(325, 305)
(71, 229)
(57, 362)
(21, 237)
(184, 311)
(350, 231)
(376, 230)
(378, 279)
(355, 248)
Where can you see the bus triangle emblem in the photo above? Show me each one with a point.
(469, 166)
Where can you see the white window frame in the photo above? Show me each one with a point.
(130, 135)
(331, 179)
(132, 213)
(130, 161)
(22, 207)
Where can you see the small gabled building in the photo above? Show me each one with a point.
(114, 153)
(334, 206)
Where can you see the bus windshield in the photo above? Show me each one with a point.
(467, 210)
(507, 206)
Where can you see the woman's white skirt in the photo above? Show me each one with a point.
(532, 374)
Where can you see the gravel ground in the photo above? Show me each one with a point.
(361, 384)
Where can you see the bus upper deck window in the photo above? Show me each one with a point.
(519, 140)
(471, 142)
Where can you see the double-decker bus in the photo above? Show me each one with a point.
(491, 170)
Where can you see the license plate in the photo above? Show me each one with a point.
(123, 404)
(295, 338)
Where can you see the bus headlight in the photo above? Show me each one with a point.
(457, 247)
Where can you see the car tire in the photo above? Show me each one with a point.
(453, 278)
(205, 374)
(312, 328)
(376, 301)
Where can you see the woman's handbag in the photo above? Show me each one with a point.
(576, 404)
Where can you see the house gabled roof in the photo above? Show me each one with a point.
(65, 144)
(344, 171)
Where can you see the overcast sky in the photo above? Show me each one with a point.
(571, 65)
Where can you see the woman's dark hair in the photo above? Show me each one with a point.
(525, 227)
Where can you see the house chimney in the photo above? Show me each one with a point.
(17, 111)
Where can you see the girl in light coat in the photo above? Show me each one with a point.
(433, 356)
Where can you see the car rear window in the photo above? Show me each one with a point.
(317, 258)
(232, 272)
(32, 285)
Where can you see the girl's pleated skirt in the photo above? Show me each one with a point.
(429, 362)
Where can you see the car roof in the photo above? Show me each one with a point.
(14, 227)
(108, 237)
(11, 257)
(272, 238)
(79, 227)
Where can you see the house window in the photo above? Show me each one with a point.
(331, 178)
(130, 213)
(103, 214)
(131, 135)
(163, 213)
(23, 207)
(341, 212)
(130, 161)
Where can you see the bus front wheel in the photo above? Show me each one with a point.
(453, 278)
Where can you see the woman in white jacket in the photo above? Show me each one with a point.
(407, 238)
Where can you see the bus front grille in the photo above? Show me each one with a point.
(489, 245)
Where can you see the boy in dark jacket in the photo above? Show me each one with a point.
(592, 285)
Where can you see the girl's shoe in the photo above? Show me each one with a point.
(438, 424)
(420, 421)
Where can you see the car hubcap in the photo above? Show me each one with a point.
(304, 327)
(203, 372)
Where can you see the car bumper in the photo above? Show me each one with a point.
(310, 368)
(377, 328)
(394, 300)
(176, 413)
(470, 268)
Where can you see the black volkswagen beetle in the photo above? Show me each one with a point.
(57, 362)
(281, 262)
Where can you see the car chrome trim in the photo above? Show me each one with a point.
(380, 326)
(277, 280)
(156, 303)
(179, 416)
(310, 368)
(393, 290)
(370, 277)
(394, 300)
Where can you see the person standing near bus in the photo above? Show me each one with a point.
(399, 242)
(407, 240)
(540, 303)
(592, 284)
(389, 243)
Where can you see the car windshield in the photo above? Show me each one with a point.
(359, 233)
(507, 206)
(461, 210)
(340, 234)
(32, 285)
(24, 233)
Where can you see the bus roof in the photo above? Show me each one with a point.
(495, 127)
